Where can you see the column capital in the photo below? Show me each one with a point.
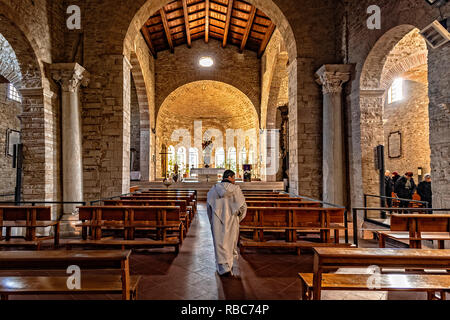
(332, 76)
(69, 75)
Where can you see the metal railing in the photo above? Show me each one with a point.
(327, 204)
(408, 210)
(383, 213)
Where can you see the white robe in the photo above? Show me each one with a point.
(226, 209)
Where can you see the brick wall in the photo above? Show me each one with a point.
(410, 117)
(239, 70)
(9, 112)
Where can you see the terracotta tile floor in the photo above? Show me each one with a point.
(262, 274)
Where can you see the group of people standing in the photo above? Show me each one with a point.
(404, 187)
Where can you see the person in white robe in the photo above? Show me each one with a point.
(226, 208)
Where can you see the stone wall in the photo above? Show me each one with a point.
(439, 112)
(9, 112)
(239, 70)
(410, 118)
(398, 19)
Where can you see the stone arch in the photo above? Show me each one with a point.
(219, 77)
(283, 25)
(398, 51)
(228, 117)
(267, 6)
(278, 94)
(28, 71)
(40, 180)
(144, 118)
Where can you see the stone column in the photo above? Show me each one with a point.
(70, 76)
(332, 77)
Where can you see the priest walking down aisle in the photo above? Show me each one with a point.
(226, 209)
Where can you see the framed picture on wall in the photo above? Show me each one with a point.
(12, 138)
(395, 144)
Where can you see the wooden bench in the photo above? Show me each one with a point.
(291, 220)
(335, 258)
(29, 218)
(186, 198)
(417, 227)
(192, 196)
(185, 212)
(385, 282)
(134, 189)
(161, 219)
(115, 260)
(267, 195)
(276, 203)
(263, 198)
(191, 193)
(93, 284)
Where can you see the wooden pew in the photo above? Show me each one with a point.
(276, 203)
(192, 194)
(335, 258)
(417, 227)
(186, 214)
(428, 283)
(187, 198)
(262, 198)
(134, 189)
(264, 195)
(161, 219)
(29, 218)
(60, 260)
(290, 220)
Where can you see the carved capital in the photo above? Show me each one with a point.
(332, 77)
(69, 75)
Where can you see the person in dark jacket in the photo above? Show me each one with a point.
(424, 191)
(395, 177)
(388, 187)
(404, 188)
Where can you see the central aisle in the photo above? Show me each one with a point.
(192, 274)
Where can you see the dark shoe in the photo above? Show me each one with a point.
(226, 275)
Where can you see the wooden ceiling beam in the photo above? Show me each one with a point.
(248, 28)
(207, 21)
(146, 34)
(266, 39)
(227, 23)
(186, 21)
(166, 29)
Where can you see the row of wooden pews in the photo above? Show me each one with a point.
(413, 269)
(277, 220)
(154, 218)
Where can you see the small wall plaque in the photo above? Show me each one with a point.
(395, 144)
(12, 138)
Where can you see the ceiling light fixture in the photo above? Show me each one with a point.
(206, 62)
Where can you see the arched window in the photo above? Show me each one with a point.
(171, 159)
(251, 156)
(220, 158)
(193, 158)
(232, 158)
(181, 159)
(13, 93)
(395, 92)
(242, 158)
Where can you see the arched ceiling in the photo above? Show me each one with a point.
(211, 101)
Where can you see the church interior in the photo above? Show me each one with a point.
(117, 117)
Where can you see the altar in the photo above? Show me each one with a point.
(207, 174)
